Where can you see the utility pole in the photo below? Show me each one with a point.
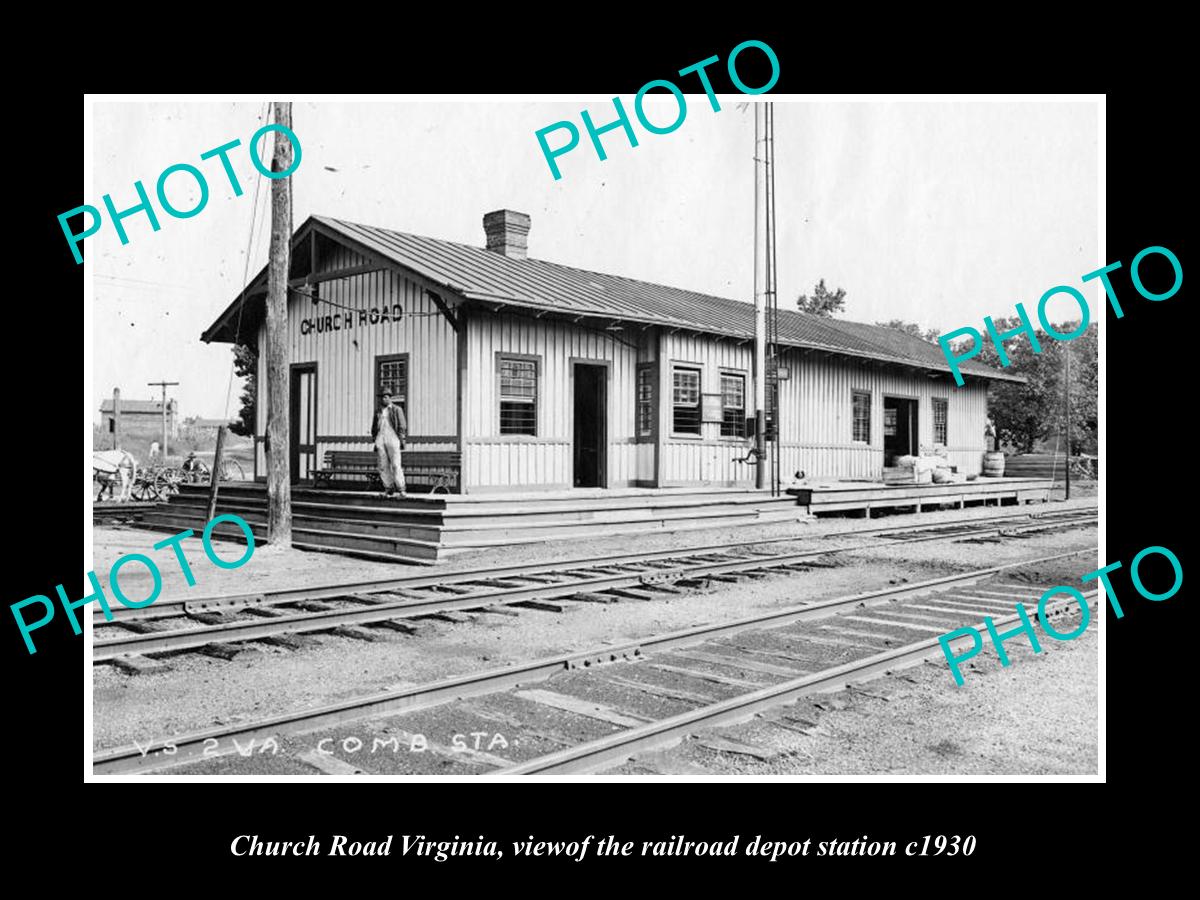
(279, 496)
(164, 385)
(1067, 403)
(116, 419)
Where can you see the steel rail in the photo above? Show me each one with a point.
(181, 605)
(299, 623)
(604, 751)
(225, 740)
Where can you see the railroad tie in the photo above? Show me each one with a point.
(404, 626)
(475, 757)
(226, 651)
(655, 690)
(136, 664)
(633, 593)
(743, 664)
(663, 762)
(557, 606)
(705, 676)
(499, 609)
(664, 587)
(357, 633)
(448, 615)
(518, 727)
(372, 599)
(212, 618)
(738, 748)
(290, 641)
(927, 629)
(313, 605)
(585, 708)
(329, 764)
(730, 578)
(137, 626)
(595, 598)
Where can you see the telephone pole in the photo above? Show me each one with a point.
(1067, 403)
(279, 496)
(164, 385)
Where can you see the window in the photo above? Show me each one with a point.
(862, 416)
(391, 375)
(645, 400)
(940, 416)
(518, 396)
(733, 405)
(686, 401)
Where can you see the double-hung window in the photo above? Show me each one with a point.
(862, 416)
(518, 396)
(685, 398)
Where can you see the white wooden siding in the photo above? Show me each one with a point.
(345, 357)
(493, 461)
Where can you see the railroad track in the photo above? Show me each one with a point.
(216, 624)
(583, 711)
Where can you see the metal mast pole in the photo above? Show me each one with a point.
(773, 299)
(760, 318)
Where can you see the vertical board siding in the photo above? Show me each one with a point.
(709, 458)
(815, 402)
(491, 460)
(816, 415)
(345, 357)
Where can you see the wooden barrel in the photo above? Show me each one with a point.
(993, 465)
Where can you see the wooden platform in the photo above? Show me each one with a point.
(113, 511)
(427, 527)
(844, 496)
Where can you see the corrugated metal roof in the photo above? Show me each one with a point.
(486, 276)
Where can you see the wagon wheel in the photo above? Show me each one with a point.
(165, 485)
(231, 470)
(144, 490)
(166, 482)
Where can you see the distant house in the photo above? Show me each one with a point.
(141, 415)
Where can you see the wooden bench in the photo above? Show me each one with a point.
(435, 468)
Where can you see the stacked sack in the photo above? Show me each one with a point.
(930, 469)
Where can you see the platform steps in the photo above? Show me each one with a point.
(424, 531)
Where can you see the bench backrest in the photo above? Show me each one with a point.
(366, 459)
(350, 459)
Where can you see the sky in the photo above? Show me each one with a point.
(933, 212)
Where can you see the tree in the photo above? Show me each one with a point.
(823, 302)
(925, 334)
(1025, 414)
(245, 364)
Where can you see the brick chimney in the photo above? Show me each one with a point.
(507, 232)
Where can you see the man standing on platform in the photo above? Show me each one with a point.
(389, 429)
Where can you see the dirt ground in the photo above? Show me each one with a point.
(200, 691)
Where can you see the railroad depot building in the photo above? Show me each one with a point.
(544, 376)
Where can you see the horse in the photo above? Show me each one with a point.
(108, 466)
